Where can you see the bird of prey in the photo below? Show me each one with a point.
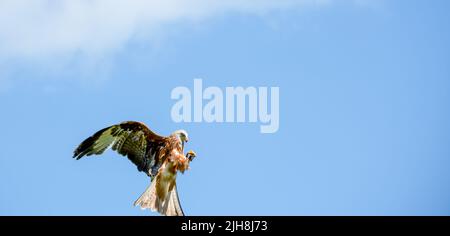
(159, 157)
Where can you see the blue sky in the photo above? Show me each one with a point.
(364, 98)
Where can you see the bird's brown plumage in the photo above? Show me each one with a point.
(159, 157)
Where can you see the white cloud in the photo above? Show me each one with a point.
(40, 30)
(49, 28)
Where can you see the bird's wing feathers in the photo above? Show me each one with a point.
(132, 139)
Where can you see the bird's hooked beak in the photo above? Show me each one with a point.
(183, 142)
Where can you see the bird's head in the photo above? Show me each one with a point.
(182, 135)
(190, 155)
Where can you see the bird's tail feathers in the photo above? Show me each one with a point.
(148, 199)
(170, 206)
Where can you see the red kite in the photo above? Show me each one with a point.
(159, 157)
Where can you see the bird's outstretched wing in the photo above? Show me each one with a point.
(132, 139)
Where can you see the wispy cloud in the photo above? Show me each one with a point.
(45, 29)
